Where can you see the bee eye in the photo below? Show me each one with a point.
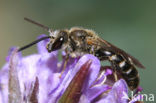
(57, 44)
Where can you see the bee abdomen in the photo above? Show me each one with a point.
(126, 69)
(132, 82)
(131, 76)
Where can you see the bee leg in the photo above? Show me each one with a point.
(115, 76)
(64, 65)
(114, 71)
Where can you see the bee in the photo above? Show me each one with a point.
(79, 41)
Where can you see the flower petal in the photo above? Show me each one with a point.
(84, 99)
(34, 94)
(14, 86)
(10, 53)
(94, 92)
(73, 92)
(93, 71)
(119, 90)
(72, 70)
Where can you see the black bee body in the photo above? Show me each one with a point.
(78, 41)
(81, 41)
(121, 65)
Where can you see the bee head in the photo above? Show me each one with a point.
(58, 39)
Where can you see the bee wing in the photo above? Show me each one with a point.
(108, 46)
(126, 55)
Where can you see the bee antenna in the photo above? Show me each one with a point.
(38, 24)
(32, 43)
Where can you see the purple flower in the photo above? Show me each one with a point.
(36, 79)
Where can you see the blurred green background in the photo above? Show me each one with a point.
(129, 24)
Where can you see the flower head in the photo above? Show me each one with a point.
(36, 79)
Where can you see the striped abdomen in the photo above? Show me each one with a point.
(121, 65)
